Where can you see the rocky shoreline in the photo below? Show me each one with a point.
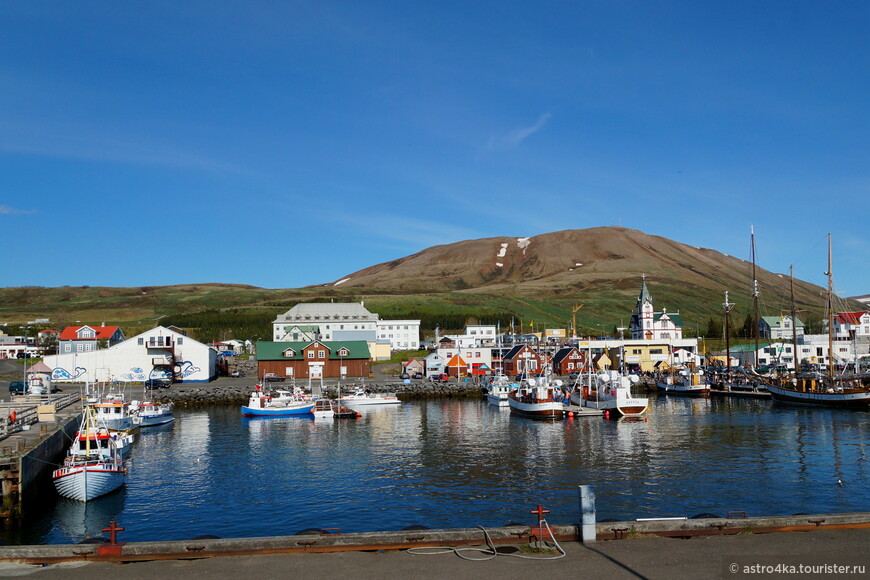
(202, 395)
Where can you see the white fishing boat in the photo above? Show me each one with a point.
(684, 382)
(261, 404)
(94, 466)
(361, 397)
(151, 414)
(610, 391)
(538, 399)
(498, 390)
(113, 411)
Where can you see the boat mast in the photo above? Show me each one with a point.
(727, 307)
(830, 275)
(754, 297)
(794, 343)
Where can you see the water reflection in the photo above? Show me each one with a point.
(80, 520)
(449, 463)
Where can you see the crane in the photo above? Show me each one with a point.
(574, 320)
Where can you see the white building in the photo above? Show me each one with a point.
(402, 334)
(811, 350)
(337, 321)
(849, 325)
(646, 324)
(473, 355)
(157, 353)
(483, 334)
(780, 327)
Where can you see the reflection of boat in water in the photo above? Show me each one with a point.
(93, 466)
(361, 397)
(262, 405)
(539, 400)
(82, 520)
(609, 391)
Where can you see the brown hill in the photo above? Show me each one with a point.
(581, 263)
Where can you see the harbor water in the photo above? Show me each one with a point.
(460, 463)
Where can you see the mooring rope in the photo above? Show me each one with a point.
(490, 552)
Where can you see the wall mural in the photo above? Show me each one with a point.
(186, 368)
(61, 374)
(136, 374)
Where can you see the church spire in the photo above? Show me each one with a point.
(644, 293)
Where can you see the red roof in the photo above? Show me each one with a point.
(103, 332)
(850, 317)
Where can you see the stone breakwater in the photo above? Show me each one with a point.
(201, 395)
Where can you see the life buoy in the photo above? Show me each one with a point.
(12, 417)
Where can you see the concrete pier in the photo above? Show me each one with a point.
(326, 541)
(33, 444)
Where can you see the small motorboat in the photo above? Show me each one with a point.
(361, 397)
(151, 414)
(332, 409)
(262, 404)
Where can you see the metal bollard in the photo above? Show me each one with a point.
(587, 514)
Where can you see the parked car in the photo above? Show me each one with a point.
(158, 383)
(404, 376)
(237, 373)
(16, 388)
(273, 378)
(574, 375)
(418, 375)
(439, 378)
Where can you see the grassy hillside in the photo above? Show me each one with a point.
(533, 283)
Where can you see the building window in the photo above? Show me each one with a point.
(140, 341)
(310, 354)
(179, 340)
(321, 354)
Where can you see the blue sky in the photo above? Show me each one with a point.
(283, 144)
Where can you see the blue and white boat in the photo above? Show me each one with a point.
(264, 405)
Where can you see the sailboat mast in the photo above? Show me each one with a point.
(794, 343)
(754, 296)
(727, 307)
(830, 274)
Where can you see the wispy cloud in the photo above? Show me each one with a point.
(6, 210)
(514, 138)
(81, 141)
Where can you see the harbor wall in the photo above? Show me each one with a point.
(45, 456)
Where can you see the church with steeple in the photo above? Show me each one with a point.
(647, 324)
